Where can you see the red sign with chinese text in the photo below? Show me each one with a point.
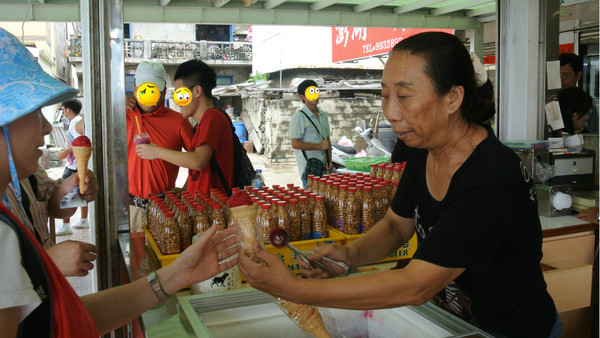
(350, 43)
(489, 60)
(566, 48)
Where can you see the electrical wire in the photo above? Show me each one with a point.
(23, 23)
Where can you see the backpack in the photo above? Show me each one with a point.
(243, 170)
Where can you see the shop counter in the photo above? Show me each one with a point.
(568, 247)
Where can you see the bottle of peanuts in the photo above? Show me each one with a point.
(319, 219)
(266, 222)
(295, 220)
(217, 217)
(352, 213)
(368, 209)
(306, 218)
(185, 226)
(201, 223)
(171, 237)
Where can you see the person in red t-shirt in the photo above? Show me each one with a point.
(165, 127)
(213, 135)
(35, 298)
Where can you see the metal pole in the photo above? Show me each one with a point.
(104, 90)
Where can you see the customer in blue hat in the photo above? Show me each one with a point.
(35, 299)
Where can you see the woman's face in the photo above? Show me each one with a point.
(410, 102)
(26, 136)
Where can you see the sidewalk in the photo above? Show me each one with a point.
(273, 174)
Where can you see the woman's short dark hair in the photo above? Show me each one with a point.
(573, 101)
(74, 105)
(197, 73)
(448, 64)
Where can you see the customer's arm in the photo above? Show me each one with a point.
(197, 159)
(298, 144)
(114, 307)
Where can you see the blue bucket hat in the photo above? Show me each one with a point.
(24, 86)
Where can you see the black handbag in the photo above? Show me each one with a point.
(314, 166)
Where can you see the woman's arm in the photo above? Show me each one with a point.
(114, 307)
(382, 240)
(9, 321)
(415, 284)
(197, 159)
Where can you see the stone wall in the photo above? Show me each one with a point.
(268, 120)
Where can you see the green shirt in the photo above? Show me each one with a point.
(301, 128)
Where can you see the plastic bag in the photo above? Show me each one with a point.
(346, 141)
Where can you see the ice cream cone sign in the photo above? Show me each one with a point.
(82, 150)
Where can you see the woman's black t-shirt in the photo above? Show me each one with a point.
(487, 223)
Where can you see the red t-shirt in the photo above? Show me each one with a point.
(215, 130)
(71, 317)
(168, 129)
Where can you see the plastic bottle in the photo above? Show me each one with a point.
(295, 220)
(351, 213)
(281, 219)
(258, 180)
(341, 204)
(266, 222)
(319, 219)
(171, 237)
(202, 222)
(185, 226)
(368, 210)
(218, 218)
(306, 219)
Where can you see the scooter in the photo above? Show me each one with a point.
(374, 146)
(340, 153)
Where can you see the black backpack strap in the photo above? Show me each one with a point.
(40, 322)
(214, 165)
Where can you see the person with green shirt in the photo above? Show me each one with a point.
(309, 130)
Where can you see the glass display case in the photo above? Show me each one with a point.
(251, 313)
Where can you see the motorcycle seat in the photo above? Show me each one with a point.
(346, 149)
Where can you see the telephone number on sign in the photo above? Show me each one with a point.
(384, 45)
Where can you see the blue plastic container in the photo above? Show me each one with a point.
(240, 130)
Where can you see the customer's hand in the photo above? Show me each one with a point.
(130, 102)
(590, 215)
(73, 258)
(204, 259)
(90, 188)
(266, 271)
(147, 151)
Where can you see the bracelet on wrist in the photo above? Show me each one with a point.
(156, 287)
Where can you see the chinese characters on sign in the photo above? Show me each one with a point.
(351, 43)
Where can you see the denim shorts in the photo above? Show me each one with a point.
(68, 172)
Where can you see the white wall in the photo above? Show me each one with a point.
(283, 47)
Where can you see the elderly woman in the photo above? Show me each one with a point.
(35, 299)
(468, 198)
